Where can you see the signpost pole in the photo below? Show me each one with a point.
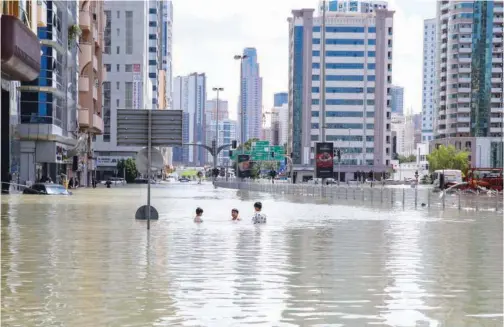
(149, 140)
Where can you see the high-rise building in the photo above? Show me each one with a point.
(358, 77)
(470, 76)
(353, 6)
(280, 98)
(429, 79)
(130, 58)
(227, 133)
(251, 97)
(166, 54)
(21, 62)
(92, 25)
(189, 95)
(280, 124)
(397, 99)
(211, 109)
(48, 104)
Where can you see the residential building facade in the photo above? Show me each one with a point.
(429, 83)
(353, 6)
(227, 134)
(189, 95)
(91, 74)
(211, 109)
(48, 105)
(358, 78)
(469, 69)
(397, 99)
(20, 21)
(128, 55)
(280, 124)
(250, 109)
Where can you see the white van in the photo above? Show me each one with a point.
(446, 177)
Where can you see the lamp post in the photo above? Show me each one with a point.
(242, 120)
(216, 144)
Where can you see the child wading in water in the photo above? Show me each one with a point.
(259, 217)
(199, 214)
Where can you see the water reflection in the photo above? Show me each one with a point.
(84, 261)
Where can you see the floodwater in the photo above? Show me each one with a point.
(84, 261)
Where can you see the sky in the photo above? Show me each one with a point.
(207, 34)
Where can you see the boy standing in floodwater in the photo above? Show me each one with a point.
(259, 217)
(199, 214)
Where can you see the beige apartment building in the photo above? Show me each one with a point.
(91, 76)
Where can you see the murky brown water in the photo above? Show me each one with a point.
(84, 261)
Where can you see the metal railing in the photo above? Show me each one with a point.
(376, 195)
(36, 119)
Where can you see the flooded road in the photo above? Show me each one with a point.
(84, 261)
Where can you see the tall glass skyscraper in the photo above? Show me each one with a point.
(397, 99)
(280, 98)
(251, 97)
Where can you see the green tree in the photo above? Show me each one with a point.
(248, 145)
(404, 159)
(129, 166)
(448, 158)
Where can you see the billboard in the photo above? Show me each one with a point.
(137, 87)
(244, 165)
(324, 157)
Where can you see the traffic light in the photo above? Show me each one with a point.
(233, 144)
(272, 154)
(337, 154)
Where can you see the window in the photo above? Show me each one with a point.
(128, 68)
(354, 78)
(129, 32)
(108, 67)
(315, 113)
(153, 24)
(117, 31)
(128, 95)
(344, 102)
(315, 65)
(315, 101)
(118, 85)
(152, 49)
(118, 14)
(107, 34)
(315, 77)
(344, 90)
(152, 11)
(372, 42)
(316, 53)
(118, 50)
(152, 36)
(371, 78)
(117, 103)
(152, 75)
(345, 53)
(341, 41)
(372, 29)
(152, 62)
(344, 66)
(118, 68)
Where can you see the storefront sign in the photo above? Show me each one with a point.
(137, 87)
(20, 50)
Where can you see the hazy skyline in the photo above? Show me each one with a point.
(207, 34)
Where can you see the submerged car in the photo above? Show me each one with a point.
(46, 189)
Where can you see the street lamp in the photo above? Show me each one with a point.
(216, 144)
(242, 123)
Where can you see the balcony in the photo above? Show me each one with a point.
(463, 119)
(85, 20)
(496, 100)
(496, 80)
(83, 84)
(496, 90)
(97, 124)
(465, 60)
(495, 129)
(464, 90)
(496, 60)
(95, 63)
(496, 110)
(464, 109)
(497, 30)
(463, 129)
(496, 120)
(465, 40)
(497, 40)
(464, 100)
(465, 50)
(83, 118)
(464, 70)
(104, 74)
(465, 30)
(464, 80)
(496, 69)
(86, 54)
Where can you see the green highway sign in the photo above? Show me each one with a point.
(261, 151)
(260, 144)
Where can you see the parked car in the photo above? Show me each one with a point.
(46, 189)
(184, 180)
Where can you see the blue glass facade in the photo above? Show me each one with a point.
(481, 71)
(280, 98)
(297, 115)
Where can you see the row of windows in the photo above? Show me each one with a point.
(344, 114)
(316, 65)
(344, 102)
(316, 89)
(343, 126)
(347, 78)
(347, 138)
(345, 29)
(316, 53)
(346, 41)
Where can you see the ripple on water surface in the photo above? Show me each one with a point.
(84, 261)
